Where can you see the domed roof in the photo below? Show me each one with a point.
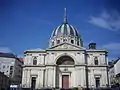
(65, 29)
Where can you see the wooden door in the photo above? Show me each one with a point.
(65, 81)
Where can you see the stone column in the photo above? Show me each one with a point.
(28, 78)
(24, 78)
(92, 78)
(50, 76)
(84, 76)
(54, 75)
(40, 78)
(46, 77)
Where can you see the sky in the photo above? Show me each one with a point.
(28, 24)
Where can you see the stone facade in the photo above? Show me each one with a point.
(46, 69)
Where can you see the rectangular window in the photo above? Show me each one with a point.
(96, 60)
(11, 70)
(11, 67)
(35, 61)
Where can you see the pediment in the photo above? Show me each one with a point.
(66, 46)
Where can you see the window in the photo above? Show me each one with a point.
(58, 41)
(72, 41)
(78, 43)
(96, 60)
(64, 40)
(52, 43)
(35, 61)
(11, 72)
(11, 67)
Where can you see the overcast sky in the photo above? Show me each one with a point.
(28, 24)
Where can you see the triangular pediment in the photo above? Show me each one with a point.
(66, 46)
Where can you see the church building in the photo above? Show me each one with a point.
(66, 63)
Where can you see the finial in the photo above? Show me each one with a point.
(65, 16)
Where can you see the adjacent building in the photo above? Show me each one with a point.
(65, 63)
(114, 71)
(11, 66)
(4, 81)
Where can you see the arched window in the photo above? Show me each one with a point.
(58, 41)
(78, 43)
(64, 40)
(72, 41)
(35, 61)
(96, 60)
(52, 43)
(65, 60)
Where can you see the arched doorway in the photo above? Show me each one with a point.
(62, 64)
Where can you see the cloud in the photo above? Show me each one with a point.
(112, 46)
(8, 50)
(107, 20)
(5, 50)
(113, 50)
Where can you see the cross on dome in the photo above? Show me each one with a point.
(65, 15)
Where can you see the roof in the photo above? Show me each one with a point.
(113, 62)
(65, 29)
(97, 50)
(37, 49)
(34, 50)
(8, 55)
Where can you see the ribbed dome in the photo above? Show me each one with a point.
(65, 29)
(65, 33)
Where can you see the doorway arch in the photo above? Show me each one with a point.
(63, 62)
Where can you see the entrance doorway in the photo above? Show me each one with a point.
(97, 80)
(65, 81)
(62, 64)
(33, 83)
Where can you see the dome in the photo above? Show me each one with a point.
(65, 30)
(65, 33)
